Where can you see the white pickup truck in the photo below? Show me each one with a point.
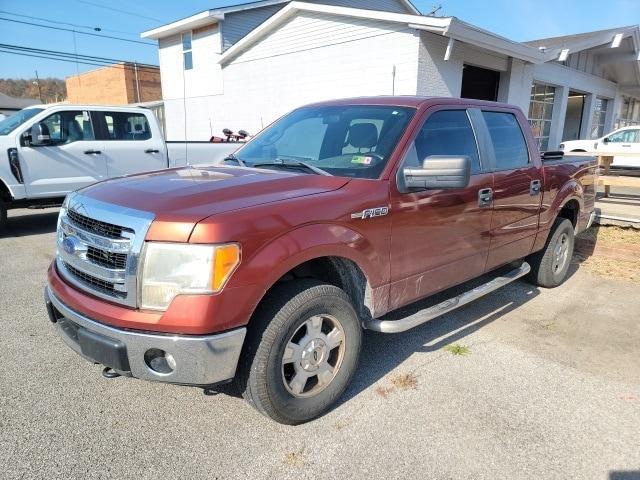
(623, 144)
(51, 150)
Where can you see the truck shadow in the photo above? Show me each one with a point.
(382, 353)
(31, 224)
(624, 475)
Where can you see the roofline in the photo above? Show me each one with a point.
(215, 15)
(446, 26)
(208, 17)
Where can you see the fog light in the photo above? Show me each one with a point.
(160, 361)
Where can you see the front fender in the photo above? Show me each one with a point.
(268, 264)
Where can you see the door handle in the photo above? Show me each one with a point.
(92, 152)
(152, 150)
(485, 196)
(535, 187)
(627, 145)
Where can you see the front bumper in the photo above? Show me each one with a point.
(199, 359)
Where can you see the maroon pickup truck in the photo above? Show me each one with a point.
(267, 269)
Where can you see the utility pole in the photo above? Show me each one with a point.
(135, 68)
(37, 82)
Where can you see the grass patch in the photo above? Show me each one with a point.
(295, 459)
(404, 381)
(457, 349)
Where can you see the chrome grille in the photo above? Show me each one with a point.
(99, 246)
(93, 282)
(107, 259)
(95, 226)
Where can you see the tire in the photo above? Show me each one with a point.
(3, 217)
(549, 266)
(316, 327)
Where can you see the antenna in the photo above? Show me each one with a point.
(434, 10)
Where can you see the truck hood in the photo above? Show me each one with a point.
(180, 198)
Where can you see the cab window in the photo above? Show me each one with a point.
(126, 126)
(445, 132)
(625, 136)
(509, 145)
(69, 126)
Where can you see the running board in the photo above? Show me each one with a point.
(397, 326)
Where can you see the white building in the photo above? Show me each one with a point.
(241, 67)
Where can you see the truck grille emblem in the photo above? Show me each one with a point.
(371, 212)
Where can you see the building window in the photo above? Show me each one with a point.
(540, 110)
(599, 115)
(628, 113)
(187, 54)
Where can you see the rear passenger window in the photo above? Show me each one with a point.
(446, 132)
(127, 126)
(509, 145)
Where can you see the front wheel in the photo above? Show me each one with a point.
(301, 352)
(3, 216)
(549, 267)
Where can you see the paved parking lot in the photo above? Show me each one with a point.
(547, 385)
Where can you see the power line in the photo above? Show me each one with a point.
(119, 11)
(71, 55)
(97, 29)
(76, 31)
(73, 58)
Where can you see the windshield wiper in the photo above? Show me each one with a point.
(233, 158)
(281, 162)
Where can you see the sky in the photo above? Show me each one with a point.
(515, 19)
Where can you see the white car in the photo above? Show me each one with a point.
(51, 150)
(624, 141)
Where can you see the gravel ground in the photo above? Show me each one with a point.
(547, 385)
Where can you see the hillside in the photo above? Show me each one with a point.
(53, 89)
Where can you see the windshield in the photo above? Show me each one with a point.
(12, 122)
(345, 140)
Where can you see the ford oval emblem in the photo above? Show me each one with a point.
(73, 246)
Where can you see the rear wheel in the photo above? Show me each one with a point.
(301, 352)
(549, 267)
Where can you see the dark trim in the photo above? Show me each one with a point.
(35, 203)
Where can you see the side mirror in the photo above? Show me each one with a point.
(606, 140)
(40, 135)
(438, 172)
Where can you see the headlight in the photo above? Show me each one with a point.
(171, 269)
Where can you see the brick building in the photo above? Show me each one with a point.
(117, 84)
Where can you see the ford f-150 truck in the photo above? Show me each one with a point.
(51, 150)
(266, 270)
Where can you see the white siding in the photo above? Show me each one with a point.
(312, 57)
(205, 78)
(237, 25)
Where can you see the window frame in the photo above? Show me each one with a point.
(186, 51)
(102, 132)
(62, 112)
(428, 115)
(488, 141)
(544, 105)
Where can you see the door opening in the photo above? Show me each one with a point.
(573, 118)
(480, 83)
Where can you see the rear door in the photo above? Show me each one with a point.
(626, 142)
(73, 159)
(517, 186)
(132, 145)
(439, 238)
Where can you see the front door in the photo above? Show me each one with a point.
(517, 188)
(439, 238)
(73, 159)
(130, 145)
